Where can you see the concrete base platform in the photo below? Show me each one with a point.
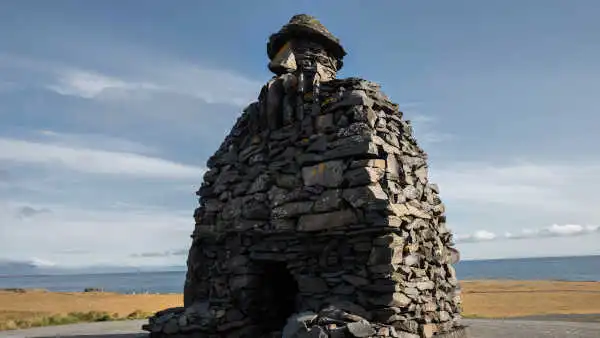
(477, 328)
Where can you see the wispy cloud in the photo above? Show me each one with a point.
(421, 118)
(93, 161)
(148, 94)
(41, 262)
(28, 211)
(73, 251)
(178, 252)
(90, 236)
(477, 236)
(208, 84)
(554, 230)
(130, 78)
(544, 186)
(92, 141)
(177, 109)
(426, 130)
(90, 85)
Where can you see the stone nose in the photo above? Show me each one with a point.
(284, 61)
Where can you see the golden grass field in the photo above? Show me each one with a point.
(482, 299)
(40, 308)
(502, 299)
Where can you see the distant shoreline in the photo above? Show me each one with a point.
(120, 270)
(87, 273)
(477, 283)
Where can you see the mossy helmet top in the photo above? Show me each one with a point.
(306, 26)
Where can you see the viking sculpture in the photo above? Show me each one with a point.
(316, 216)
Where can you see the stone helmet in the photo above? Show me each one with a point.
(308, 27)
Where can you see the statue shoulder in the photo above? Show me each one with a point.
(353, 82)
(251, 108)
(372, 91)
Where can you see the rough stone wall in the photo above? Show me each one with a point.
(341, 198)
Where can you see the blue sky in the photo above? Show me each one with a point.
(110, 109)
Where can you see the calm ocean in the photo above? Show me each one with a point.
(564, 268)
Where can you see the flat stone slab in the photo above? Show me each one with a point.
(477, 328)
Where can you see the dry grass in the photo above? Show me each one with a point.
(482, 299)
(65, 302)
(40, 308)
(499, 299)
(10, 320)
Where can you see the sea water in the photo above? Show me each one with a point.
(585, 268)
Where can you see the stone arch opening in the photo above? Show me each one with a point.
(277, 295)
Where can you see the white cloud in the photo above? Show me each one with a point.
(137, 94)
(478, 236)
(209, 85)
(541, 186)
(510, 197)
(89, 85)
(27, 211)
(41, 262)
(571, 229)
(88, 236)
(554, 230)
(132, 77)
(176, 252)
(92, 141)
(143, 88)
(93, 161)
(425, 129)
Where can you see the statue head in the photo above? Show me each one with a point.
(304, 40)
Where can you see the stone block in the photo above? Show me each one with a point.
(327, 174)
(311, 284)
(329, 200)
(292, 209)
(329, 220)
(361, 196)
(351, 146)
(363, 176)
(385, 255)
(396, 299)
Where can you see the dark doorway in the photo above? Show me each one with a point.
(277, 295)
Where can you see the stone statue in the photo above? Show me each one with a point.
(303, 55)
(316, 216)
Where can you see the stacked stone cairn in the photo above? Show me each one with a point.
(316, 215)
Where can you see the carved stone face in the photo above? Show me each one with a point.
(284, 61)
(298, 54)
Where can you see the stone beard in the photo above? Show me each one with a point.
(300, 67)
(305, 57)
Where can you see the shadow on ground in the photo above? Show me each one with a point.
(108, 335)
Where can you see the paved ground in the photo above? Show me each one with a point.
(587, 318)
(117, 329)
(485, 328)
(479, 328)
